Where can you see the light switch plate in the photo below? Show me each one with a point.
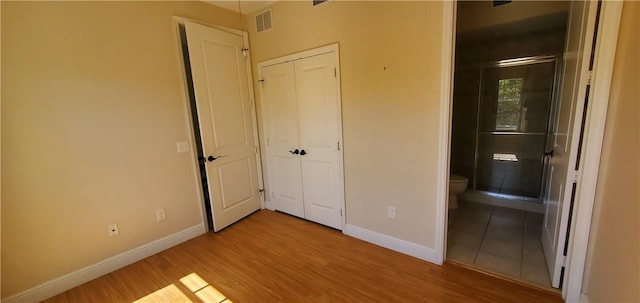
(391, 212)
(183, 146)
(160, 214)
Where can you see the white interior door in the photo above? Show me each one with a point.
(319, 117)
(280, 110)
(224, 111)
(562, 166)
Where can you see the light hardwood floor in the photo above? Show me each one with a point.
(273, 257)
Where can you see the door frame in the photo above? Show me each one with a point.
(177, 21)
(605, 48)
(604, 57)
(263, 144)
(449, 15)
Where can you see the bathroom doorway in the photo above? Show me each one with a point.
(506, 73)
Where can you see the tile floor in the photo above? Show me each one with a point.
(499, 240)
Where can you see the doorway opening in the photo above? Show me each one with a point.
(506, 75)
(193, 110)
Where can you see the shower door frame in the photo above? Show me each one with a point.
(521, 61)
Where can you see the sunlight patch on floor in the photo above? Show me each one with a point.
(170, 293)
(203, 290)
(197, 285)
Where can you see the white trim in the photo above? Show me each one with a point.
(444, 138)
(301, 55)
(584, 298)
(594, 132)
(395, 244)
(58, 285)
(182, 20)
(254, 120)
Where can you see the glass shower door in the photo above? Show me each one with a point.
(512, 128)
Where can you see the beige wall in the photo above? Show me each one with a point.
(92, 108)
(613, 264)
(479, 14)
(390, 117)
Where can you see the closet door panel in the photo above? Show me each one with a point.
(281, 120)
(318, 112)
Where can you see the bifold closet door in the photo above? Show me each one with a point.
(301, 108)
(281, 117)
(318, 112)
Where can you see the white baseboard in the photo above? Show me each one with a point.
(53, 287)
(584, 298)
(269, 205)
(401, 246)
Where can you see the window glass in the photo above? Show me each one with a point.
(509, 104)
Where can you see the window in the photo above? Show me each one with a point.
(509, 104)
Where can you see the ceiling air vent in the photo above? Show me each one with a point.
(263, 21)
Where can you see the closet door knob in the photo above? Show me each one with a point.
(295, 152)
(302, 152)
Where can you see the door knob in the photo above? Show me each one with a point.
(212, 158)
(550, 153)
(295, 152)
(302, 152)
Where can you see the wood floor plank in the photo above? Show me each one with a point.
(273, 257)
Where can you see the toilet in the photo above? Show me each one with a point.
(457, 185)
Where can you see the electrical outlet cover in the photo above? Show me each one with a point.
(113, 230)
(160, 214)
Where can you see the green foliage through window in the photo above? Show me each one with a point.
(509, 104)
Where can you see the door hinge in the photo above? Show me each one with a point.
(564, 261)
(255, 150)
(574, 176)
(589, 76)
(335, 72)
(341, 212)
(245, 52)
(338, 145)
(273, 197)
(268, 141)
